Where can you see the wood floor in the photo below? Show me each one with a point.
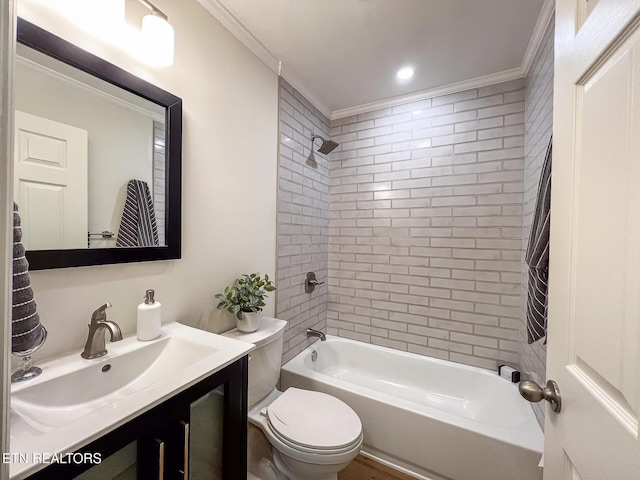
(363, 468)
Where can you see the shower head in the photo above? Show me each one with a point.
(327, 145)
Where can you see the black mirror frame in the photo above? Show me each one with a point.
(45, 42)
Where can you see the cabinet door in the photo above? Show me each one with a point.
(209, 422)
(134, 451)
(121, 465)
(206, 432)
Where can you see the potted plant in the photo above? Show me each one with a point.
(245, 300)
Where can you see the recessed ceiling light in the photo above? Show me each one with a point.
(405, 73)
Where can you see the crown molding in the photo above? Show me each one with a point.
(231, 23)
(504, 76)
(544, 19)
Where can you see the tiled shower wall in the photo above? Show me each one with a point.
(538, 128)
(159, 180)
(425, 237)
(303, 218)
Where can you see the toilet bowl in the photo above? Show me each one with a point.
(313, 435)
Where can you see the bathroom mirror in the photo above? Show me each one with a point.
(98, 158)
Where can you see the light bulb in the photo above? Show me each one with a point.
(405, 73)
(157, 35)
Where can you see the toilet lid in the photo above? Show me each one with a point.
(314, 419)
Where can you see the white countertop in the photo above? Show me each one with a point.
(29, 438)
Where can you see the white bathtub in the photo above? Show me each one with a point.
(435, 419)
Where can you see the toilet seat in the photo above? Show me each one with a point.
(314, 422)
(295, 450)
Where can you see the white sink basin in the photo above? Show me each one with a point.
(71, 386)
(76, 400)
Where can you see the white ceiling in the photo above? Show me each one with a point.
(345, 53)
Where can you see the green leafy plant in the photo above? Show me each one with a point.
(246, 295)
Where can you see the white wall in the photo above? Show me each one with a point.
(230, 109)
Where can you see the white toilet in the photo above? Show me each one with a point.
(313, 435)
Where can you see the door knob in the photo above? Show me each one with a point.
(533, 392)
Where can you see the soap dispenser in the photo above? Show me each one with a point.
(149, 317)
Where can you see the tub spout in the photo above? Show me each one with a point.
(315, 333)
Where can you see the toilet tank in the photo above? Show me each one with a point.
(265, 361)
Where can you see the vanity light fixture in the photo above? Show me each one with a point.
(157, 35)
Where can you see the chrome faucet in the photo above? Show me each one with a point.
(315, 333)
(95, 347)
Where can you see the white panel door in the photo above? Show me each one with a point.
(594, 300)
(50, 185)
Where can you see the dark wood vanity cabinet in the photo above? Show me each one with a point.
(200, 433)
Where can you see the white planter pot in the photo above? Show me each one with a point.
(249, 323)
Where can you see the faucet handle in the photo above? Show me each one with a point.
(100, 315)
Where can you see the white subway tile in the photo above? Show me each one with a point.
(501, 110)
(455, 159)
(377, 150)
(432, 132)
(508, 131)
(478, 146)
(385, 342)
(514, 118)
(476, 275)
(501, 87)
(413, 106)
(479, 103)
(375, 114)
(431, 192)
(478, 168)
(357, 144)
(474, 339)
(453, 201)
(411, 125)
(374, 132)
(393, 119)
(456, 138)
(455, 97)
(454, 180)
(433, 111)
(355, 127)
(478, 125)
(393, 138)
(455, 118)
(477, 189)
(512, 142)
(392, 213)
